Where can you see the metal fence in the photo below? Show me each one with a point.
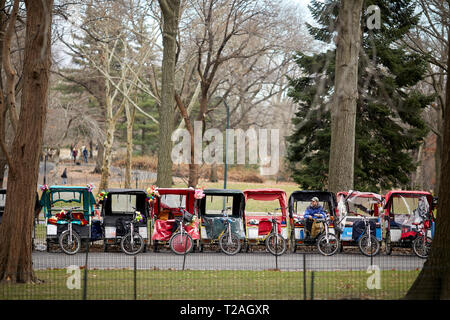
(93, 274)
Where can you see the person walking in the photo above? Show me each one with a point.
(85, 154)
(64, 176)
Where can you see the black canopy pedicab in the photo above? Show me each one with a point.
(323, 233)
(222, 219)
(124, 216)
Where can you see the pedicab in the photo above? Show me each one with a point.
(173, 210)
(323, 233)
(358, 212)
(122, 209)
(222, 210)
(409, 221)
(258, 225)
(68, 212)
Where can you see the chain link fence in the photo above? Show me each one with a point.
(93, 274)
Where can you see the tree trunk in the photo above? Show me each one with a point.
(130, 121)
(433, 281)
(343, 112)
(3, 164)
(437, 159)
(213, 173)
(107, 154)
(99, 160)
(170, 11)
(17, 222)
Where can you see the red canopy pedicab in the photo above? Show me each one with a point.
(259, 224)
(409, 221)
(168, 206)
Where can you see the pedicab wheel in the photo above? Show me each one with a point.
(69, 245)
(230, 244)
(328, 246)
(181, 243)
(276, 244)
(369, 248)
(388, 244)
(292, 243)
(422, 248)
(132, 247)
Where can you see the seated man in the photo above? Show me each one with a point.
(313, 211)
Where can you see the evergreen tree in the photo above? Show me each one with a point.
(389, 125)
(145, 131)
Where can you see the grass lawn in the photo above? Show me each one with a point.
(211, 285)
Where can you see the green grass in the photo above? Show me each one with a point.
(211, 285)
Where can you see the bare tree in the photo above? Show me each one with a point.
(118, 60)
(430, 41)
(23, 160)
(433, 281)
(225, 30)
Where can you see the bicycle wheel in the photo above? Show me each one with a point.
(422, 247)
(69, 244)
(388, 244)
(276, 244)
(181, 243)
(369, 246)
(132, 247)
(328, 245)
(230, 243)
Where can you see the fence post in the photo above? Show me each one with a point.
(135, 287)
(86, 272)
(312, 285)
(304, 276)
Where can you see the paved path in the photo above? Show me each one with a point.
(219, 261)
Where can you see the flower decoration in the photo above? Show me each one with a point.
(139, 217)
(198, 194)
(61, 215)
(102, 196)
(152, 193)
(90, 187)
(44, 188)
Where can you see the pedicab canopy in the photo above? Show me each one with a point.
(260, 218)
(212, 205)
(403, 206)
(166, 207)
(300, 200)
(124, 202)
(57, 199)
(356, 203)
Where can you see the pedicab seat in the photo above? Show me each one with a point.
(265, 226)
